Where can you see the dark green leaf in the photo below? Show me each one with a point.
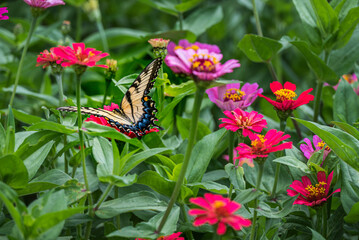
(183, 126)
(347, 27)
(327, 20)
(293, 162)
(348, 128)
(186, 5)
(353, 215)
(350, 187)
(13, 171)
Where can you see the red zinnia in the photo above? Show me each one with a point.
(80, 55)
(47, 58)
(247, 121)
(174, 236)
(284, 96)
(103, 121)
(261, 145)
(309, 194)
(217, 210)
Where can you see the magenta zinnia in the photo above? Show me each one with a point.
(80, 55)
(47, 58)
(2, 11)
(174, 236)
(44, 3)
(199, 63)
(319, 144)
(262, 145)
(242, 120)
(309, 194)
(216, 209)
(232, 96)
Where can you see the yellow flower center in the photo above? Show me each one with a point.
(349, 78)
(321, 144)
(317, 191)
(194, 47)
(233, 94)
(203, 62)
(285, 94)
(220, 210)
(258, 143)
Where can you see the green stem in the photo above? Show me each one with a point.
(66, 160)
(104, 196)
(230, 154)
(283, 124)
(325, 220)
(259, 179)
(58, 77)
(216, 236)
(256, 16)
(317, 99)
(82, 153)
(191, 139)
(108, 81)
(161, 91)
(24, 51)
(102, 35)
(118, 219)
(272, 72)
(73, 171)
(184, 213)
(78, 24)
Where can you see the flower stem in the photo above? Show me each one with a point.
(104, 196)
(24, 51)
(108, 81)
(58, 77)
(259, 179)
(78, 24)
(191, 139)
(161, 91)
(184, 213)
(65, 158)
(102, 35)
(230, 154)
(325, 220)
(318, 97)
(283, 124)
(256, 16)
(82, 153)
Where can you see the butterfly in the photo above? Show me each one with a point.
(136, 113)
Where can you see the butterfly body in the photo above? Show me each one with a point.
(137, 110)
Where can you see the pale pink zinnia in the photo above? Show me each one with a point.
(309, 194)
(199, 63)
(232, 96)
(44, 3)
(242, 120)
(262, 145)
(308, 149)
(216, 209)
(80, 55)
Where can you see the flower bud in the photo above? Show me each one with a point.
(159, 47)
(65, 27)
(91, 7)
(110, 72)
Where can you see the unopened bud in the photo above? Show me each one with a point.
(65, 27)
(112, 69)
(91, 7)
(18, 29)
(159, 47)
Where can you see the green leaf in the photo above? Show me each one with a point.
(201, 156)
(259, 49)
(103, 154)
(267, 211)
(131, 202)
(168, 7)
(25, 117)
(350, 187)
(353, 215)
(202, 19)
(13, 171)
(246, 195)
(186, 5)
(345, 100)
(52, 126)
(236, 175)
(344, 7)
(211, 186)
(347, 27)
(327, 20)
(24, 92)
(174, 90)
(342, 144)
(35, 160)
(2, 139)
(76, 3)
(306, 12)
(320, 69)
(183, 126)
(316, 235)
(348, 128)
(119, 181)
(293, 162)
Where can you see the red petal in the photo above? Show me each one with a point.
(274, 86)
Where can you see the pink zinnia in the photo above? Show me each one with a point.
(80, 55)
(232, 96)
(261, 145)
(103, 121)
(308, 150)
(241, 161)
(47, 58)
(44, 3)
(309, 194)
(200, 64)
(2, 11)
(174, 236)
(216, 209)
(242, 120)
(184, 44)
(285, 94)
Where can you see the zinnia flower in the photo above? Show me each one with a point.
(216, 209)
(44, 3)
(102, 121)
(201, 63)
(2, 11)
(246, 121)
(174, 236)
(261, 145)
(80, 55)
(231, 96)
(47, 58)
(241, 161)
(184, 44)
(284, 97)
(351, 79)
(308, 150)
(309, 194)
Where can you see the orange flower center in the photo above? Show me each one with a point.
(203, 62)
(321, 144)
(220, 210)
(285, 94)
(233, 94)
(194, 47)
(258, 143)
(317, 191)
(349, 78)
